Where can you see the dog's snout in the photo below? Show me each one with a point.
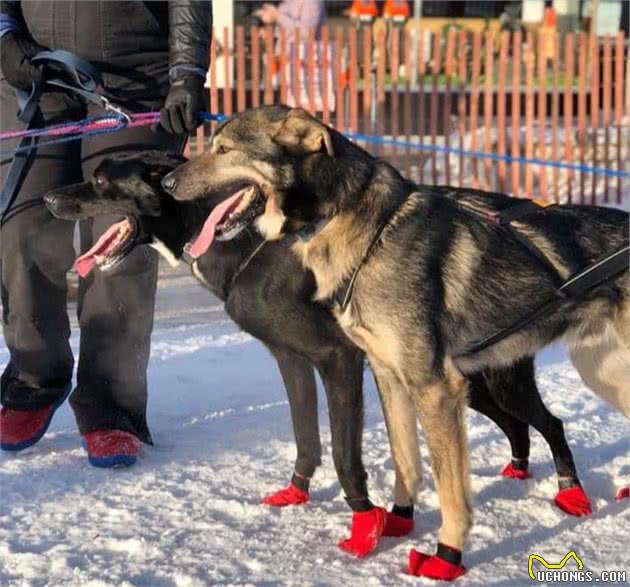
(169, 183)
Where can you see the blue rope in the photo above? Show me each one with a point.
(376, 140)
(492, 156)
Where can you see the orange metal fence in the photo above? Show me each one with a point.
(563, 98)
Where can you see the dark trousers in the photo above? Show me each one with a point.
(115, 310)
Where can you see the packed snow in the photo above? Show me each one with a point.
(188, 513)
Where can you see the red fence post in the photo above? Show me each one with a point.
(240, 69)
(555, 115)
(367, 79)
(462, 43)
(516, 110)
(407, 99)
(607, 104)
(474, 104)
(501, 110)
(436, 62)
(325, 67)
(595, 64)
(394, 64)
(339, 80)
(582, 111)
(449, 69)
(422, 69)
(270, 66)
(530, 58)
(255, 49)
(487, 106)
(569, 71)
(227, 80)
(282, 66)
(353, 64)
(619, 54)
(542, 112)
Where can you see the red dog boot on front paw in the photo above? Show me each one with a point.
(573, 501)
(111, 448)
(623, 493)
(367, 528)
(445, 565)
(290, 495)
(399, 522)
(517, 469)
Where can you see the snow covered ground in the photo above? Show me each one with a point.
(188, 513)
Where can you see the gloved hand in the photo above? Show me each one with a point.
(185, 100)
(16, 52)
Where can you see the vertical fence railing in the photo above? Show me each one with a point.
(559, 98)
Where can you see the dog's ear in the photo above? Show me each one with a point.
(302, 134)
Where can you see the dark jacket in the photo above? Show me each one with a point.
(122, 37)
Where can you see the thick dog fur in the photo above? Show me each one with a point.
(440, 278)
(270, 296)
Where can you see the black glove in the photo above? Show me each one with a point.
(16, 52)
(185, 100)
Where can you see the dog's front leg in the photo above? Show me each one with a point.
(298, 376)
(401, 421)
(441, 409)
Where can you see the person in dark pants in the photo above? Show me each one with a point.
(152, 55)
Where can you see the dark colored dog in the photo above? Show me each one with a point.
(269, 295)
(417, 275)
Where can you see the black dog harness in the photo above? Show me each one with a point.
(572, 289)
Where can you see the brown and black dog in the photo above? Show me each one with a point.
(415, 276)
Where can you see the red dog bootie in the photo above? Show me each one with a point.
(517, 469)
(399, 522)
(623, 493)
(445, 565)
(367, 528)
(573, 501)
(111, 448)
(290, 495)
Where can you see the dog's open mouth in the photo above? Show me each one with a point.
(229, 218)
(110, 249)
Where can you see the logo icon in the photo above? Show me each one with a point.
(553, 566)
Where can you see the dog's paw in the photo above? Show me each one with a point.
(433, 567)
(290, 495)
(574, 501)
(623, 493)
(367, 528)
(510, 470)
(396, 525)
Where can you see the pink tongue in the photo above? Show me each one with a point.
(86, 262)
(206, 236)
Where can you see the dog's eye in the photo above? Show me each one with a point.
(222, 149)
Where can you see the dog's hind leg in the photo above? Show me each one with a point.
(341, 370)
(514, 389)
(298, 376)
(603, 363)
(516, 431)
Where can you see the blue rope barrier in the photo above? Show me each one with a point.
(492, 156)
(376, 140)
